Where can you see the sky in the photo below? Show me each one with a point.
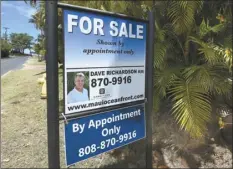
(15, 15)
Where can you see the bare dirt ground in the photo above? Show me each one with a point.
(175, 149)
(24, 134)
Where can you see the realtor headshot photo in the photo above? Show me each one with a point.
(77, 87)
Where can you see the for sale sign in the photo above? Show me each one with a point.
(104, 60)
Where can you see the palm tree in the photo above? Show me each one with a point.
(38, 19)
(192, 72)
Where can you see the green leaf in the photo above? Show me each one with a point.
(160, 52)
(218, 28)
(228, 41)
(205, 28)
(210, 78)
(163, 79)
(191, 106)
(156, 101)
(182, 14)
(208, 50)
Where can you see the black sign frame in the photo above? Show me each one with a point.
(52, 81)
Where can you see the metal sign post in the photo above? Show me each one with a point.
(52, 84)
(149, 91)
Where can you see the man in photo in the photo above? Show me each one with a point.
(79, 93)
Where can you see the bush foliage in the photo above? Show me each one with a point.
(5, 48)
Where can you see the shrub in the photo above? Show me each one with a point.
(5, 49)
(5, 53)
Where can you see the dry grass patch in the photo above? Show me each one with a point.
(23, 121)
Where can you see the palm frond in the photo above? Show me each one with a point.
(228, 41)
(163, 79)
(224, 53)
(218, 28)
(182, 14)
(228, 58)
(160, 52)
(208, 50)
(211, 78)
(156, 101)
(160, 46)
(191, 106)
(31, 2)
(205, 28)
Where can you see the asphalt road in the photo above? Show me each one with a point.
(14, 63)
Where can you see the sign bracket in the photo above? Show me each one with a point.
(65, 119)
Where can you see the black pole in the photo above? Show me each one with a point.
(149, 90)
(52, 84)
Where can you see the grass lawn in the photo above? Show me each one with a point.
(34, 61)
(24, 118)
(23, 125)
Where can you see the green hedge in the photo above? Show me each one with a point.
(5, 49)
(5, 53)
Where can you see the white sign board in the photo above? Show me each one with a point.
(104, 61)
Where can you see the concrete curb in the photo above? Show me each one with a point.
(6, 73)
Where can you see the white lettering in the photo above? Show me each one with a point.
(111, 131)
(113, 26)
(105, 132)
(109, 120)
(71, 23)
(78, 127)
(86, 26)
(75, 127)
(91, 124)
(89, 25)
(98, 26)
(123, 30)
(139, 31)
(131, 35)
(81, 128)
(104, 121)
(139, 112)
(97, 123)
(118, 129)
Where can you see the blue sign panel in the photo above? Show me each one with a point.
(92, 135)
